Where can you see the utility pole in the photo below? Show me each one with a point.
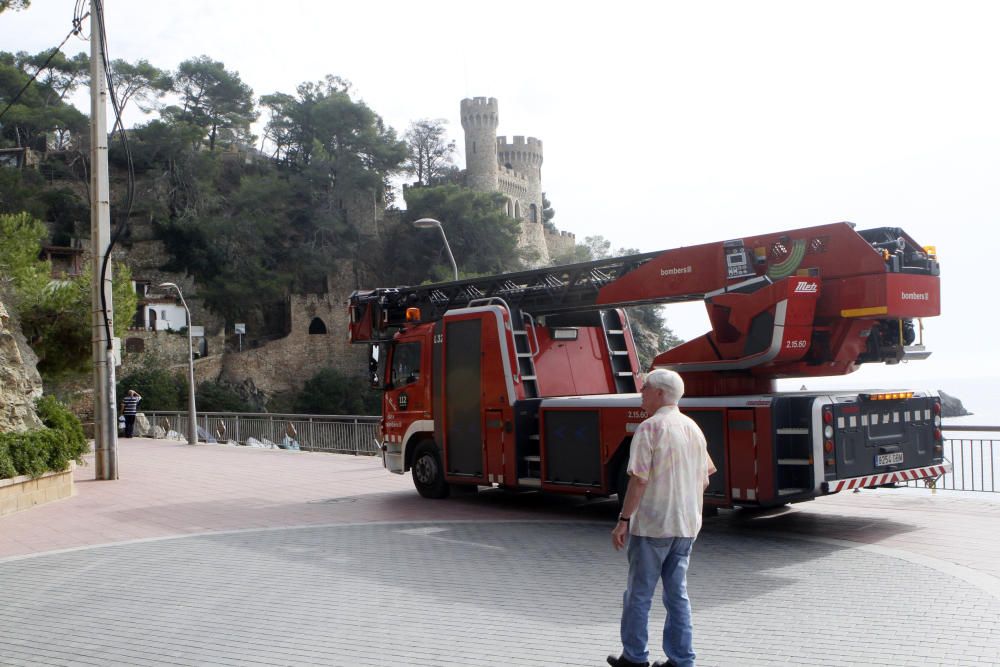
(105, 409)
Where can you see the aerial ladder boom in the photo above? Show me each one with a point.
(813, 301)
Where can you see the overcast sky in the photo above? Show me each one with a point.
(667, 123)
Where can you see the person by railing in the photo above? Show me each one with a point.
(350, 434)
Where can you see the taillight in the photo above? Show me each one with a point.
(827, 416)
(937, 407)
(937, 434)
(828, 446)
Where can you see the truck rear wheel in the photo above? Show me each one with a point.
(427, 471)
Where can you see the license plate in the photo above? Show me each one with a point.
(888, 459)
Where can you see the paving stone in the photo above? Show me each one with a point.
(466, 593)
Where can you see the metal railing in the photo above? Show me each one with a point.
(344, 434)
(975, 466)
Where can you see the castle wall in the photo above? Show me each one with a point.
(559, 243)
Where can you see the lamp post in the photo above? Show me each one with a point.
(192, 414)
(428, 223)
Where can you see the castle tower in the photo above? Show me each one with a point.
(515, 169)
(525, 158)
(480, 117)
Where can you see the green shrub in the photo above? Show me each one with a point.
(7, 468)
(214, 397)
(50, 448)
(72, 443)
(330, 392)
(160, 389)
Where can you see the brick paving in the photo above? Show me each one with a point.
(225, 556)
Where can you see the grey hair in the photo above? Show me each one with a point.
(667, 381)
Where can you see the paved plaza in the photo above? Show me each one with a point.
(225, 556)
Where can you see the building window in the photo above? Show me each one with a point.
(533, 213)
(317, 326)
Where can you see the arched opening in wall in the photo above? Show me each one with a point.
(533, 213)
(510, 209)
(152, 319)
(517, 210)
(317, 326)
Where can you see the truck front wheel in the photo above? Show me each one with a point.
(427, 471)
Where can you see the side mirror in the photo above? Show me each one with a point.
(376, 359)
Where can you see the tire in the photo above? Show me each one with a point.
(427, 471)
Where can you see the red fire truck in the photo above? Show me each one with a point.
(529, 380)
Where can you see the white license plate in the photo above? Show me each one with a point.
(888, 459)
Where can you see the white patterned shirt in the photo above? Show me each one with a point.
(669, 452)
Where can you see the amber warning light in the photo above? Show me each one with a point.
(887, 396)
(412, 314)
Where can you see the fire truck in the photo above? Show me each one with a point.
(530, 380)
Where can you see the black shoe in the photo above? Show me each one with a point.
(622, 661)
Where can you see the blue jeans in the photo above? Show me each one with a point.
(650, 559)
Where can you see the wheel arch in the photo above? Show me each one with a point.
(411, 444)
(619, 458)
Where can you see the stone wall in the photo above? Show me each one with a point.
(21, 493)
(284, 365)
(559, 243)
(20, 383)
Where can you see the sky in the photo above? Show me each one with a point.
(670, 123)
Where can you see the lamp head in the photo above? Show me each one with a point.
(426, 223)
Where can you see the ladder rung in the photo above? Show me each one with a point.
(534, 436)
(524, 354)
(616, 332)
(533, 458)
(529, 377)
(623, 373)
(619, 351)
(794, 462)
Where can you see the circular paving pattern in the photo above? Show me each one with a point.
(463, 594)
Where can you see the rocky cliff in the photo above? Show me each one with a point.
(20, 383)
(952, 406)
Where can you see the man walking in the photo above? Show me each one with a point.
(130, 406)
(668, 472)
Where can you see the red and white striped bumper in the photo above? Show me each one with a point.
(888, 477)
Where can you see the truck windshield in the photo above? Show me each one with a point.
(405, 363)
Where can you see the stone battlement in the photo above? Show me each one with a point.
(480, 112)
(519, 141)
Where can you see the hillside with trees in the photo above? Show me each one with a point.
(249, 220)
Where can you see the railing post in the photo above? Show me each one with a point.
(312, 435)
(356, 436)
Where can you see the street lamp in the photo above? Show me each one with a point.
(428, 223)
(192, 414)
